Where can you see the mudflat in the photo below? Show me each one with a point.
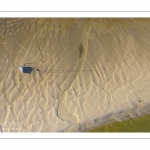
(86, 72)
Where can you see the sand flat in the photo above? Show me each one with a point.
(91, 72)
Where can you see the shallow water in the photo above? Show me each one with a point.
(139, 124)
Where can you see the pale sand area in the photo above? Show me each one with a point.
(92, 71)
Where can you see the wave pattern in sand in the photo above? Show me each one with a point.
(92, 71)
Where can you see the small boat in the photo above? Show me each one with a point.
(25, 69)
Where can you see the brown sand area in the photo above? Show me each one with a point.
(92, 71)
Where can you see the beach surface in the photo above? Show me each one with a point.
(86, 72)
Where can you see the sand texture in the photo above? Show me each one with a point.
(92, 71)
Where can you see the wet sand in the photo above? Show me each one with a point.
(91, 72)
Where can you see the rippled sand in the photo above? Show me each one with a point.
(92, 71)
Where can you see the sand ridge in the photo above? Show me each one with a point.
(92, 71)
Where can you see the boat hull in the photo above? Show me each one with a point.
(25, 69)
